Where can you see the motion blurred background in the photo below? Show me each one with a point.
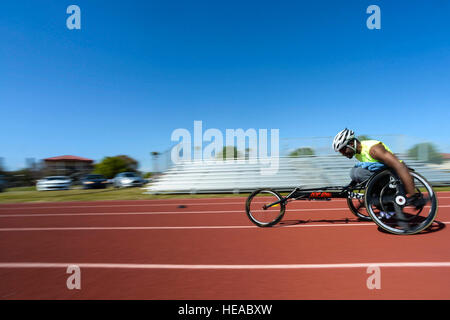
(106, 98)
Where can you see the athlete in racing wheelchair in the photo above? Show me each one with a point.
(383, 190)
(373, 156)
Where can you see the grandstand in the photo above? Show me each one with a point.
(236, 176)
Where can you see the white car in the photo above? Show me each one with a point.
(53, 183)
(128, 179)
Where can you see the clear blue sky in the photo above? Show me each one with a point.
(137, 70)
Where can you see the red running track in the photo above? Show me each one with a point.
(208, 249)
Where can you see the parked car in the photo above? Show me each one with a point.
(53, 183)
(94, 181)
(128, 179)
(2, 183)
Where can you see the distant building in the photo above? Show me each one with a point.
(72, 166)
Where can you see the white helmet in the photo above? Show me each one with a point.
(342, 138)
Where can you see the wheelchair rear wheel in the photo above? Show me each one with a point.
(385, 194)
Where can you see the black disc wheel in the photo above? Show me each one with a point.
(259, 209)
(386, 204)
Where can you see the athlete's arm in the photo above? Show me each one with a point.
(379, 153)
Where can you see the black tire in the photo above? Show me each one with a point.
(381, 192)
(358, 208)
(264, 217)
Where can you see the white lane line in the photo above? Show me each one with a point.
(146, 213)
(112, 203)
(19, 265)
(124, 205)
(354, 224)
(161, 212)
(171, 228)
(124, 228)
(34, 206)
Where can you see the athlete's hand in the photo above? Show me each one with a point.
(417, 200)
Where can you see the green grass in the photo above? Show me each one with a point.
(29, 194)
(33, 188)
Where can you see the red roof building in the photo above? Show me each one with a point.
(68, 165)
(69, 158)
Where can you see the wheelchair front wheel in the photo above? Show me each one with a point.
(257, 211)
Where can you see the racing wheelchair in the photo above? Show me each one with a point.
(369, 201)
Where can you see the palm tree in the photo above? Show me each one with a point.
(155, 155)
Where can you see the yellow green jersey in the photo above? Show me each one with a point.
(364, 156)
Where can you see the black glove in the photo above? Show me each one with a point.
(417, 200)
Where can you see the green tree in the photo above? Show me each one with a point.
(2, 168)
(228, 152)
(425, 151)
(130, 162)
(111, 166)
(300, 152)
(20, 178)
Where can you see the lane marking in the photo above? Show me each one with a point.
(124, 205)
(119, 202)
(354, 224)
(147, 213)
(162, 212)
(19, 265)
(36, 206)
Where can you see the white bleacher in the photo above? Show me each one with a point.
(217, 176)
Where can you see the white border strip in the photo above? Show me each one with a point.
(15, 265)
